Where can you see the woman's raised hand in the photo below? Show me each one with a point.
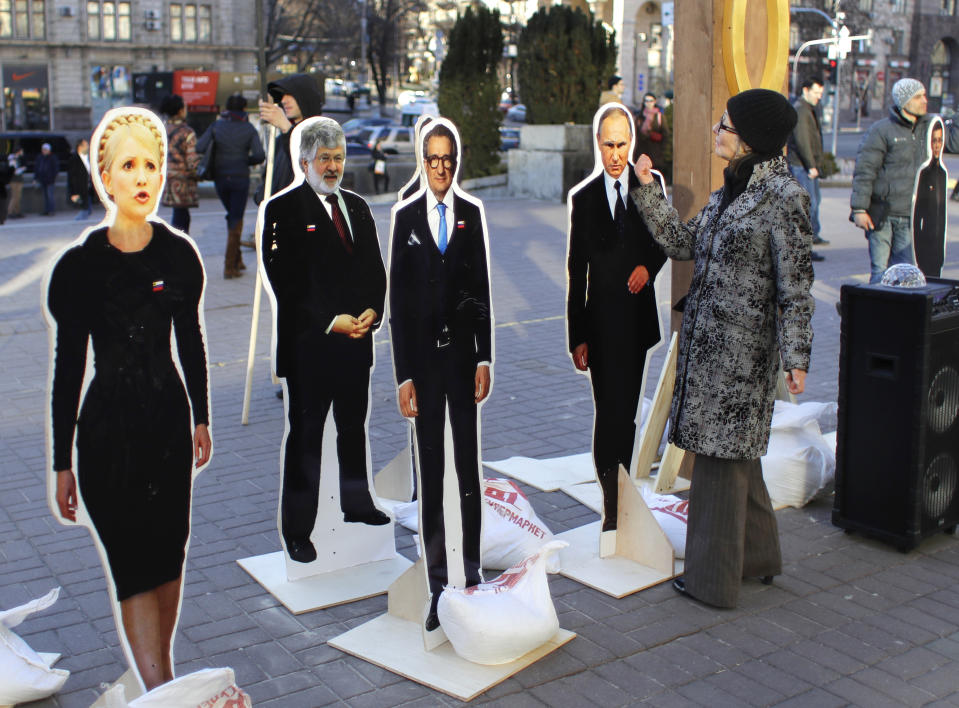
(643, 168)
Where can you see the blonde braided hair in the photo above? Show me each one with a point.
(140, 126)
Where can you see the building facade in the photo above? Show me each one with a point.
(64, 63)
(934, 51)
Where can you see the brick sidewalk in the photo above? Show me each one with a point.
(849, 622)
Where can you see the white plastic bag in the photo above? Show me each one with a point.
(672, 515)
(206, 688)
(800, 463)
(500, 621)
(24, 675)
(511, 529)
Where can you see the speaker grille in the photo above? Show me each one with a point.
(939, 485)
(943, 399)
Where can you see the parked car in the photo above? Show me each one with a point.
(517, 113)
(354, 126)
(508, 138)
(397, 139)
(358, 152)
(31, 143)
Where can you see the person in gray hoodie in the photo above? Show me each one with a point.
(884, 180)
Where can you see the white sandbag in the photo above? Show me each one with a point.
(511, 529)
(800, 463)
(407, 515)
(206, 688)
(672, 515)
(796, 415)
(500, 621)
(24, 675)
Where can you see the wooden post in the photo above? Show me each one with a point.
(749, 45)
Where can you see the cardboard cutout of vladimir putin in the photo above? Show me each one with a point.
(611, 312)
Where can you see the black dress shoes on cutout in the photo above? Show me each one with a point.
(432, 621)
(373, 517)
(301, 550)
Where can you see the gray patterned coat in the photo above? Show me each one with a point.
(750, 288)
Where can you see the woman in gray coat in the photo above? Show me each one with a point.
(747, 313)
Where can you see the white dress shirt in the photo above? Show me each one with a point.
(433, 216)
(611, 189)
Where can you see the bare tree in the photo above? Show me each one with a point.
(385, 19)
(306, 31)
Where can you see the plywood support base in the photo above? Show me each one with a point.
(394, 644)
(397, 642)
(327, 589)
(131, 689)
(547, 475)
(643, 556)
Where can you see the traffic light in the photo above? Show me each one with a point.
(831, 71)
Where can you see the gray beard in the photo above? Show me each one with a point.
(317, 182)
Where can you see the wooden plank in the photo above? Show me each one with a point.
(639, 537)
(395, 644)
(324, 590)
(547, 475)
(658, 413)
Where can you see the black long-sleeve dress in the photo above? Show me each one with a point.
(134, 434)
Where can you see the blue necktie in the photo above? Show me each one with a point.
(442, 240)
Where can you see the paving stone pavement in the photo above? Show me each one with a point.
(850, 621)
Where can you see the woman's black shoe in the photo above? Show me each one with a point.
(766, 580)
(679, 585)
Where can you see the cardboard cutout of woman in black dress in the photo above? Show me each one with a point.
(129, 429)
(929, 207)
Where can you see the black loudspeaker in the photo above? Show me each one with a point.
(897, 446)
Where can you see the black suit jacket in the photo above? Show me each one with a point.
(314, 279)
(599, 308)
(429, 291)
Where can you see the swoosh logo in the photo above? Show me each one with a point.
(20, 77)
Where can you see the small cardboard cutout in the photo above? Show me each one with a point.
(329, 518)
(440, 357)
(131, 455)
(595, 255)
(930, 198)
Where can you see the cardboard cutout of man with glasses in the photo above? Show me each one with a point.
(441, 333)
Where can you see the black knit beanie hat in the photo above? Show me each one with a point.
(762, 118)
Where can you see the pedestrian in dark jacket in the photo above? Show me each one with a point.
(804, 149)
(295, 98)
(78, 178)
(45, 171)
(748, 316)
(236, 147)
(885, 176)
